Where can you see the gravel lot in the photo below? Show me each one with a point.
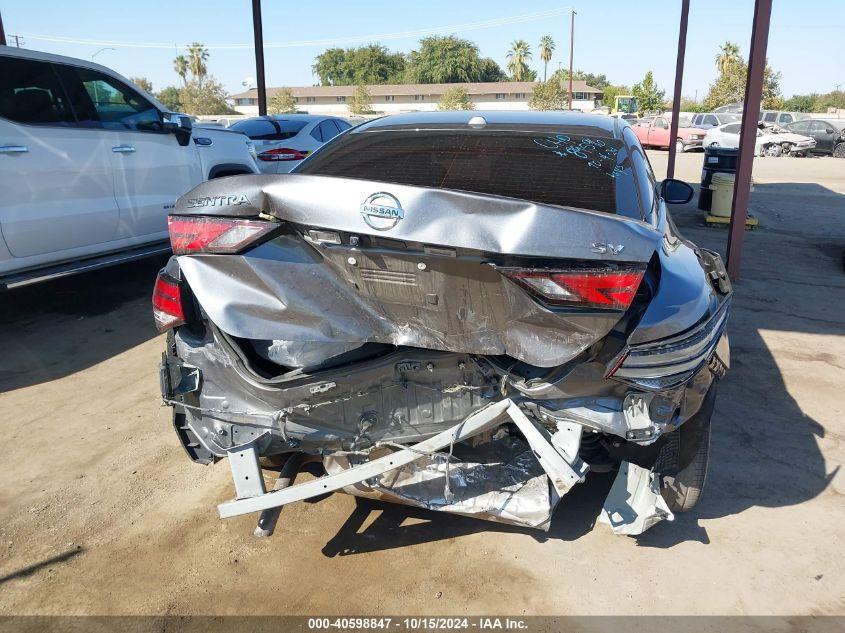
(102, 513)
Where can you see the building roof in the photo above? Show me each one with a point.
(378, 90)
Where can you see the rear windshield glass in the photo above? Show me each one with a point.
(582, 171)
(268, 129)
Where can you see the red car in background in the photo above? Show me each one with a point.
(655, 132)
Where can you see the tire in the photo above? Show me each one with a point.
(839, 151)
(773, 150)
(680, 148)
(683, 459)
(713, 144)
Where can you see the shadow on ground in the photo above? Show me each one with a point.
(57, 328)
(46, 563)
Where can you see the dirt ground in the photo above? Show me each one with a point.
(102, 513)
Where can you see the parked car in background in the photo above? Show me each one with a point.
(705, 120)
(780, 117)
(655, 132)
(769, 143)
(90, 165)
(377, 305)
(282, 141)
(829, 135)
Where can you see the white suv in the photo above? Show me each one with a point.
(90, 166)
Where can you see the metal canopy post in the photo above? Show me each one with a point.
(679, 79)
(748, 134)
(571, 51)
(259, 57)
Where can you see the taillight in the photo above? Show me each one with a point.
(167, 303)
(282, 153)
(594, 288)
(204, 234)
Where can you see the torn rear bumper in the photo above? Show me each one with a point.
(524, 491)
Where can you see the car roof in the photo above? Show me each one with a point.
(518, 118)
(837, 123)
(290, 117)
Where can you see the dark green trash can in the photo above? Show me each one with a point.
(716, 159)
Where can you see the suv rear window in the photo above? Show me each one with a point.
(268, 129)
(587, 172)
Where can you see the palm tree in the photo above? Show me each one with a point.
(197, 54)
(547, 46)
(728, 55)
(518, 56)
(180, 65)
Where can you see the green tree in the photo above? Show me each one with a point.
(649, 96)
(446, 59)
(728, 56)
(171, 98)
(835, 99)
(729, 86)
(370, 64)
(282, 102)
(143, 83)
(591, 79)
(180, 65)
(547, 47)
(455, 98)
(361, 99)
(518, 57)
(208, 97)
(801, 103)
(491, 71)
(548, 95)
(197, 56)
(611, 91)
(690, 105)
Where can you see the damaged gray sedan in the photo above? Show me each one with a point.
(461, 311)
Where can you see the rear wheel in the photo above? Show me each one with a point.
(839, 151)
(683, 459)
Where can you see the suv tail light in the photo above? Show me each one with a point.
(282, 153)
(167, 302)
(593, 288)
(204, 234)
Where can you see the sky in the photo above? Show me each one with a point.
(621, 39)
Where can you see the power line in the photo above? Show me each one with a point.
(455, 28)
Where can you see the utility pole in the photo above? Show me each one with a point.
(676, 95)
(2, 32)
(258, 33)
(571, 51)
(18, 40)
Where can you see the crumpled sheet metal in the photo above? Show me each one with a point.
(514, 491)
(634, 503)
(308, 302)
(308, 309)
(444, 217)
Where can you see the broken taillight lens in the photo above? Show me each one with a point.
(203, 234)
(167, 303)
(611, 289)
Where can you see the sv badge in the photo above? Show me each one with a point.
(601, 247)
